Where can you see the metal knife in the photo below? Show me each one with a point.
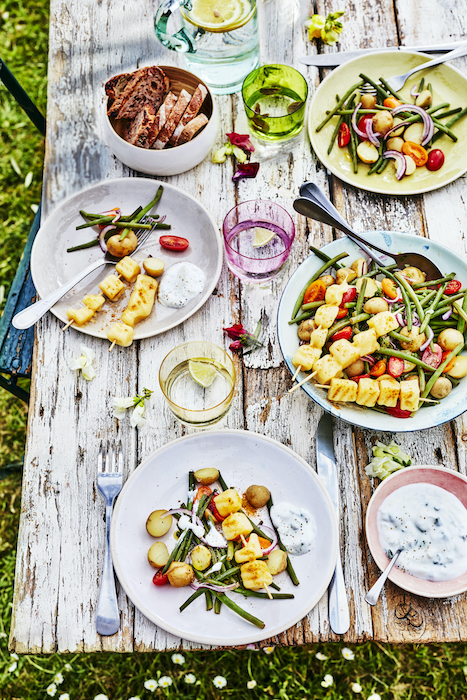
(339, 616)
(328, 60)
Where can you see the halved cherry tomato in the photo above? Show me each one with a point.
(343, 137)
(342, 313)
(349, 295)
(395, 366)
(418, 154)
(202, 491)
(315, 292)
(389, 288)
(435, 160)
(174, 243)
(212, 507)
(391, 102)
(160, 579)
(360, 376)
(453, 286)
(362, 124)
(344, 334)
(263, 542)
(378, 369)
(450, 365)
(433, 357)
(397, 412)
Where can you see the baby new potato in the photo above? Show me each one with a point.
(201, 557)
(415, 339)
(257, 496)
(441, 388)
(375, 306)
(328, 280)
(158, 524)
(153, 266)
(180, 574)
(277, 561)
(306, 328)
(355, 368)
(382, 122)
(395, 144)
(122, 248)
(367, 152)
(459, 368)
(207, 476)
(158, 555)
(368, 101)
(450, 338)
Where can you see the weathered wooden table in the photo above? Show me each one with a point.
(61, 538)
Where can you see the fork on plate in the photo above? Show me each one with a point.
(109, 483)
(397, 82)
(29, 316)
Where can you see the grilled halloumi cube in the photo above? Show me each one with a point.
(228, 502)
(141, 300)
(410, 395)
(251, 552)
(120, 333)
(80, 316)
(344, 352)
(94, 301)
(112, 287)
(326, 315)
(366, 342)
(368, 392)
(383, 323)
(327, 368)
(318, 337)
(235, 525)
(389, 390)
(335, 292)
(128, 269)
(255, 575)
(371, 288)
(342, 390)
(305, 357)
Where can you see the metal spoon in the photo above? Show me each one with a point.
(375, 591)
(314, 204)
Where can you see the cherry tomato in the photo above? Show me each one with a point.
(378, 369)
(349, 295)
(160, 579)
(397, 412)
(453, 287)
(450, 365)
(202, 491)
(343, 137)
(395, 366)
(418, 154)
(344, 334)
(391, 102)
(315, 292)
(212, 507)
(435, 160)
(174, 243)
(389, 288)
(362, 125)
(360, 376)
(433, 357)
(342, 313)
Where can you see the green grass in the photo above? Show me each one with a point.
(399, 673)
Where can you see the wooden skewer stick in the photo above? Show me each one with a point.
(267, 591)
(112, 346)
(307, 379)
(430, 400)
(322, 386)
(244, 542)
(68, 324)
(299, 369)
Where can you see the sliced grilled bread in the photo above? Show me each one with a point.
(147, 87)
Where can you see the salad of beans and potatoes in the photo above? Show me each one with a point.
(381, 337)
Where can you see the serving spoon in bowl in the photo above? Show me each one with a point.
(314, 204)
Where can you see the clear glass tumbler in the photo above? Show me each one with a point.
(198, 381)
(258, 237)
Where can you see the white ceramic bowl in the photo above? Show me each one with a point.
(170, 161)
(446, 260)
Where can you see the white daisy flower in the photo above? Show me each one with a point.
(165, 681)
(178, 659)
(58, 678)
(67, 667)
(374, 696)
(220, 682)
(251, 684)
(268, 650)
(13, 667)
(120, 405)
(51, 689)
(151, 685)
(190, 678)
(251, 647)
(137, 419)
(64, 696)
(14, 656)
(348, 654)
(84, 363)
(356, 687)
(101, 696)
(320, 656)
(135, 697)
(3, 635)
(327, 681)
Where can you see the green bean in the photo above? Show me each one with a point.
(382, 93)
(383, 166)
(193, 597)
(411, 294)
(319, 253)
(290, 569)
(143, 211)
(312, 305)
(429, 88)
(389, 89)
(421, 84)
(452, 297)
(450, 123)
(257, 594)
(82, 246)
(408, 309)
(361, 297)
(353, 149)
(221, 481)
(431, 283)
(445, 129)
(346, 322)
(439, 371)
(243, 613)
(428, 298)
(460, 310)
(338, 105)
(398, 336)
(345, 112)
(431, 309)
(405, 356)
(440, 311)
(432, 110)
(449, 113)
(302, 317)
(334, 135)
(461, 322)
(379, 270)
(375, 165)
(322, 269)
(256, 528)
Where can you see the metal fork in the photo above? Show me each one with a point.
(29, 316)
(109, 483)
(397, 82)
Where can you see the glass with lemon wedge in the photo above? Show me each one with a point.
(218, 37)
(198, 382)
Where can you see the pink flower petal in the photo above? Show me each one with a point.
(245, 170)
(242, 141)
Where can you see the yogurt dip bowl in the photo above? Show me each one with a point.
(447, 479)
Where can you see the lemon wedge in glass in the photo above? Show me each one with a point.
(202, 372)
(262, 236)
(219, 15)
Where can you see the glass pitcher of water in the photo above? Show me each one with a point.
(218, 37)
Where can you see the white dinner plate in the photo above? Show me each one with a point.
(244, 458)
(52, 266)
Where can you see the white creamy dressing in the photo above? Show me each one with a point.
(296, 527)
(180, 283)
(191, 494)
(185, 523)
(214, 538)
(430, 524)
(216, 567)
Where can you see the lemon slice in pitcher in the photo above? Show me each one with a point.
(219, 15)
(202, 372)
(262, 236)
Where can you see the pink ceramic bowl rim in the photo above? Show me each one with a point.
(446, 479)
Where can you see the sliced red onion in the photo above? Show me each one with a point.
(399, 319)
(395, 127)
(413, 92)
(402, 164)
(368, 358)
(112, 212)
(431, 335)
(118, 215)
(429, 127)
(102, 233)
(447, 315)
(358, 131)
(196, 585)
(393, 301)
(174, 511)
(272, 537)
(372, 136)
(392, 343)
(415, 319)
